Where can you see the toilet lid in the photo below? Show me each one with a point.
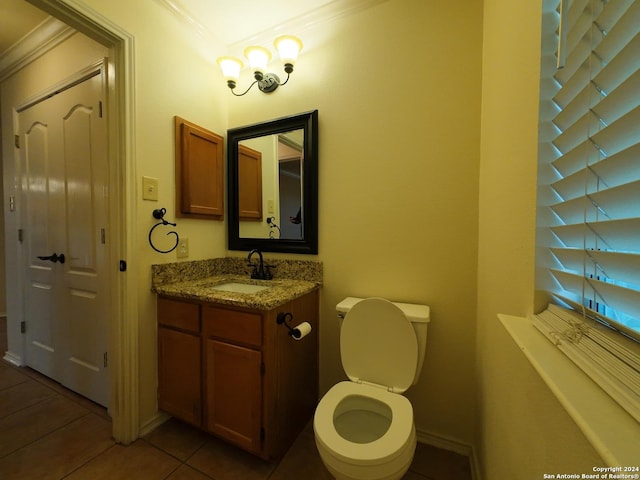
(378, 345)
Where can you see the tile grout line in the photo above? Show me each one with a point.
(180, 461)
(45, 435)
(66, 475)
(38, 402)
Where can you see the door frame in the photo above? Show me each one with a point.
(123, 329)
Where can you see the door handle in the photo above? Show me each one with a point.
(54, 258)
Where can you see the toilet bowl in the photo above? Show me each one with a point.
(364, 427)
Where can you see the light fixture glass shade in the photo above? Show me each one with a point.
(288, 48)
(258, 57)
(230, 67)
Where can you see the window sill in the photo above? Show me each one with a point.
(614, 434)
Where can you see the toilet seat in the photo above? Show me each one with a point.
(385, 448)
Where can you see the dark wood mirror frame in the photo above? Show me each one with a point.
(307, 121)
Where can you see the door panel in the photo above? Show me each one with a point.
(41, 346)
(65, 184)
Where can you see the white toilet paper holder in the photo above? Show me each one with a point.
(281, 319)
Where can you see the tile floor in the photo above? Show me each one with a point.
(48, 432)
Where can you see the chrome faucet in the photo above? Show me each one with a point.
(261, 271)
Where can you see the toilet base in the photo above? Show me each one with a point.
(393, 470)
(340, 476)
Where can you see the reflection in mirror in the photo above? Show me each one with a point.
(277, 160)
(273, 185)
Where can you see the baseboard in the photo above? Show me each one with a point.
(150, 425)
(451, 445)
(13, 359)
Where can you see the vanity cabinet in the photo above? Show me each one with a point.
(236, 373)
(179, 362)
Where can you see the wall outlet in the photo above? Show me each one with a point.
(183, 248)
(149, 188)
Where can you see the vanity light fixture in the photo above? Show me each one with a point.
(288, 48)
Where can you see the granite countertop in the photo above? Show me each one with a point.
(193, 281)
(279, 291)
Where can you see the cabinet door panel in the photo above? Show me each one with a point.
(249, 183)
(234, 394)
(179, 375)
(199, 171)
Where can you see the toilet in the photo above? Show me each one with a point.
(364, 427)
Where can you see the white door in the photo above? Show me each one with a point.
(63, 153)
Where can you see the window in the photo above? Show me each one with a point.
(588, 245)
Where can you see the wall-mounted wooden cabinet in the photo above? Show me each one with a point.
(236, 373)
(249, 183)
(199, 172)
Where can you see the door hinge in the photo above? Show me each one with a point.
(262, 434)
(123, 266)
(100, 108)
(20, 235)
(103, 236)
(23, 327)
(262, 369)
(16, 141)
(105, 359)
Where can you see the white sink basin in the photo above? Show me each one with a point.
(239, 287)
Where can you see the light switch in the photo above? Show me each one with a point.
(149, 188)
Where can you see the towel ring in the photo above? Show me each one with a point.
(159, 213)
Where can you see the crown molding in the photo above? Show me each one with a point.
(327, 13)
(49, 33)
(182, 14)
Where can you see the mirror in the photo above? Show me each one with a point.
(273, 185)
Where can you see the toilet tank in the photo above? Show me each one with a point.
(418, 315)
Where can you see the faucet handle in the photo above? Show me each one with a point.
(263, 274)
(267, 272)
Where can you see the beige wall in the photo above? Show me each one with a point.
(398, 172)
(523, 431)
(399, 145)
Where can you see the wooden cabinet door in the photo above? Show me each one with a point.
(199, 171)
(249, 183)
(179, 375)
(234, 393)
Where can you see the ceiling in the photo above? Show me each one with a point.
(229, 22)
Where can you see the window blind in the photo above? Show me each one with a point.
(589, 161)
(588, 236)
